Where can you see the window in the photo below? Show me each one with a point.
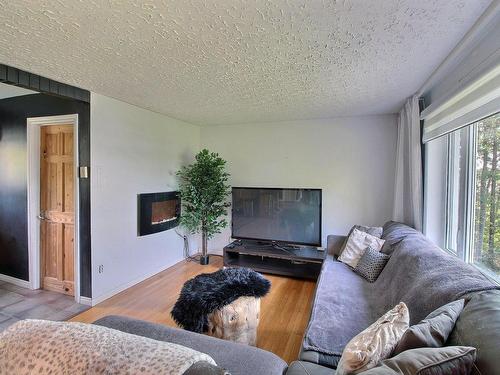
(473, 194)
(486, 245)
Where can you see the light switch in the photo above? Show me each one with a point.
(84, 172)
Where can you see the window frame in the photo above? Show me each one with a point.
(468, 235)
(453, 217)
(450, 194)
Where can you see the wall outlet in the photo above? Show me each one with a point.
(100, 268)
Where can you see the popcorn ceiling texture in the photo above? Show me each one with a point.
(236, 61)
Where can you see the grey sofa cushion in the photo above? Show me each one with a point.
(238, 359)
(393, 233)
(371, 264)
(479, 326)
(307, 368)
(428, 361)
(423, 276)
(433, 331)
(327, 360)
(205, 368)
(344, 305)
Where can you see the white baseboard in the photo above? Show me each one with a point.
(85, 301)
(15, 281)
(121, 288)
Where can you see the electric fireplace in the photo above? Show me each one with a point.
(157, 212)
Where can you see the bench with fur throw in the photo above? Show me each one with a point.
(223, 304)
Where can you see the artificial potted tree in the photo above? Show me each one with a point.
(204, 191)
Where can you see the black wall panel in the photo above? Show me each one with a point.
(13, 180)
(19, 77)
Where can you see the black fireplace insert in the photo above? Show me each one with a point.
(158, 212)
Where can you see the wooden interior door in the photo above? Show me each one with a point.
(57, 212)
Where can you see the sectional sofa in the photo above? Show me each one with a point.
(418, 273)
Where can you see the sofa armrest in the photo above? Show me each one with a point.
(322, 359)
(237, 358)
(334, 244)
(308, 368)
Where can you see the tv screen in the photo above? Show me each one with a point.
(281, 215)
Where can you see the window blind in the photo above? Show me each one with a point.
(475, 100)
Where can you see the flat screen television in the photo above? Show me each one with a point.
(291, 216)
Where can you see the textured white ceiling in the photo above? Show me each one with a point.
(9, 91)
(237, 61)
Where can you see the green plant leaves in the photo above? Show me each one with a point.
(204, 192)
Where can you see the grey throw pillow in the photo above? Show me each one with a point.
(371, 264)
(434, 330)
(428, 361)
(374, 231)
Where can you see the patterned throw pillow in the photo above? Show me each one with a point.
(375, 343)
(371, 264)
(357, 242)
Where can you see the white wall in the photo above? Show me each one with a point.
(133, 151)
(351, 159)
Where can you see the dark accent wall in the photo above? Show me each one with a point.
(19, 77)
(14, 174)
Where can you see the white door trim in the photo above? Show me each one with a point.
(33, 125)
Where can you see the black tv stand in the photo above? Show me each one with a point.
(275, 258)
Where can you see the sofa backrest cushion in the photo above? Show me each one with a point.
(479, 326)
(393, 233)
(422, 275)
(227, 354)
(334, 244)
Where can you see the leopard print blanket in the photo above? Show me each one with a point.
(45, 347)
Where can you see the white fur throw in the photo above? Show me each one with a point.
(44, 347)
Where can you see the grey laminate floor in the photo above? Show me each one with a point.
(18, 303)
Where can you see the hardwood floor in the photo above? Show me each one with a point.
(284, 311)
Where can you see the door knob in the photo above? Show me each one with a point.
(41, 216)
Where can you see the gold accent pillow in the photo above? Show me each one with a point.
(375, 343)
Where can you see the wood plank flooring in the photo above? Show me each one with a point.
(284, 311)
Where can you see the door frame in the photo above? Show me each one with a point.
(33, 137)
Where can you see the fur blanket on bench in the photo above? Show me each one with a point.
(209, 292)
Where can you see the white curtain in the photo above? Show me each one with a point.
(408, 186)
